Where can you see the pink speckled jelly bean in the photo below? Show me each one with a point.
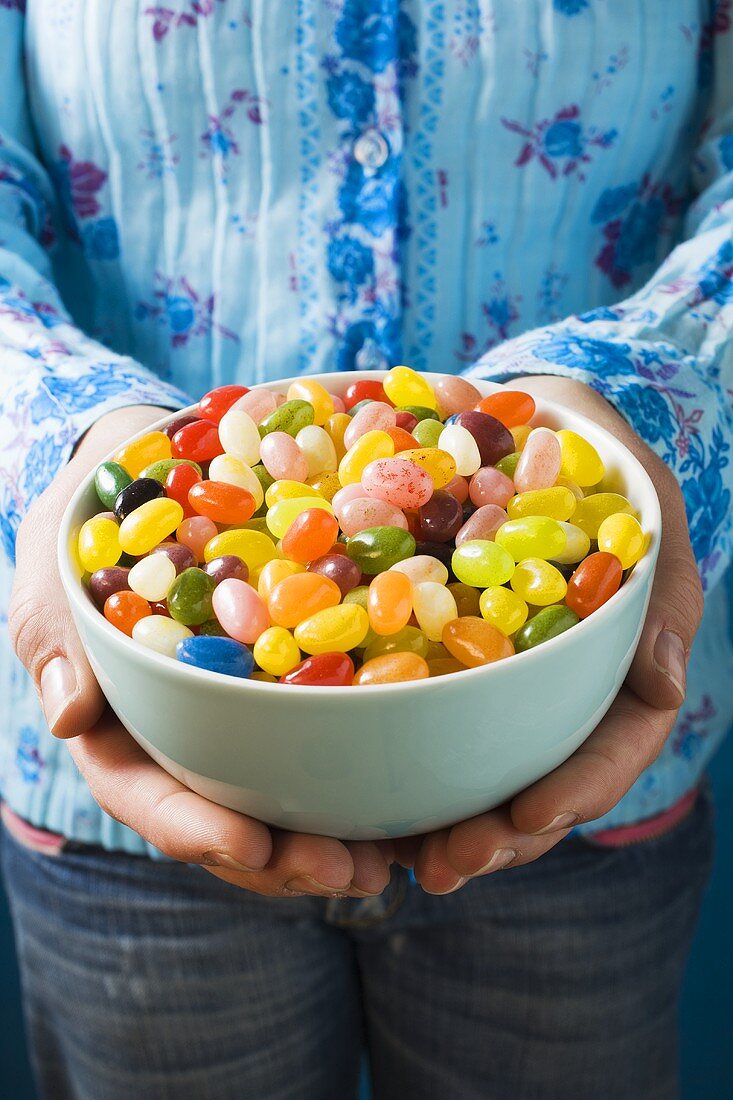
(377, 416)
(365, 512)
(490, 486)
(282, 457)
(539, 463)
(258, 404)
(455, 395)
(240, 610)
(483, 524)
(398, 481)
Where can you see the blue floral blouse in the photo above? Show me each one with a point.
(203, 191)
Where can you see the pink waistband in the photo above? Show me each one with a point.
(649, 828)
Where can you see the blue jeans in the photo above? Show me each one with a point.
(560, 979)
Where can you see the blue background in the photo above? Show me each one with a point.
(707, 1010)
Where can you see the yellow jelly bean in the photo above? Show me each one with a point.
(532, 537)
(233, 471)
(579, 460)
(336, 426)
(149, 524)
(368, 447)
(571, 485)
(538, 582)
(520, 434)
(252, 547)
(275, 651)
(272, 572)
(404, 386)
(439, 464)
(434, 606)
(576, 547)
(622, 535)
(281, 515)
(557, 503)
(307, 389)
(333, 630)
(327, 484)
(504, 608)
(142, 452)
(482, 564)
(257, 523)
(407, 640)
(319, 449)
(264, 677)
(591, 511)
(99, 543)
(288, 490)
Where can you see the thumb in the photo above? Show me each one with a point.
(658, 673)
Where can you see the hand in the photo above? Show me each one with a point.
(123, 779)
(635, 728)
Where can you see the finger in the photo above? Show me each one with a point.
(371, 868)
(432, 868)
(491, 842)
(406, 849)
(600, 772)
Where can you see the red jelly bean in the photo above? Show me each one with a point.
(177, 485)
(512, 407)
(366, 389)
(402, 440)
(215, 403)
(406, 421)
(198, 441)
(124, 609)
(310, 535)
(596, 579)
(222, 502)
(323, 670)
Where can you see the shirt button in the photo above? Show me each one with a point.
(371, 149)
(369, 357)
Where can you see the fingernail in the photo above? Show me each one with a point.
(562, 821)
(501, 858)
(442, 893)
(671, 660)
(223, 859)
(306, 884)
(58, 688)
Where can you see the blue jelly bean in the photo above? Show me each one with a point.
(223, 655)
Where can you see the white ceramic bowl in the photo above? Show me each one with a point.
(379, 761)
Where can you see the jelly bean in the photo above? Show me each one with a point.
(99, 544)
(597, 578)
(135, 456)
(159, 633)
(466, 597)
(459, 442)
(520, 435)
(475, 642)
(490, 486)
(182, 556)
(482, 524)
(196, 533)
(289, 418)
(216, 654)
(539, 462)
(283, 514)
(161, 469)
(427, 433)
(263, 677)
(283, 458)
(493, 440)
(434, 606)
(152, 577)
(272, 572)
(402, 440)
(571, 485)
(440, 519)
(445, 666)
(124, 609)
(408, 640)
(189, 599)
(365, 389)
(334, 629)
(233, 471)
(579, 460)
(322, 670)
(375, 416)
(177, 485)
(335, 427)
(546, 624)
(455, 395)
(356, 515)
(109, 481)
(338, 568)
(215, 403)
(392, 668)
(254, 548)
(317, 396)
(404, 386)
(213, 629)
(481, 563)
(301, 595)
(406, 420)
(198, 441)
(138, 492)
(458, 488)
(556, 502)
(538, 582)
(258, 404)
(354, 491)
(228, 565)
(420, 412)
(508, 465)
(177, 423)
(103, 583)
(576, 547)
(240, 610)
(367, 449)
(378, 548)
(275, 651)
(423, 567)
(265, 479)
(311, 534)
(318, 449)
(289, 490)
(511, 407)
(532, 537)
(438, 463)
(326, 484)
(398, 481)
(623, 536)
(221, 502)
(240, 436)
(590, 512)
(390, 602)
(503, 608)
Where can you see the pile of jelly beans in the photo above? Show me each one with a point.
(410, 529)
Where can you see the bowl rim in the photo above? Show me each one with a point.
(641, 573)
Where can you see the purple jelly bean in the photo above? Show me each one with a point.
(338, 568)
(493, 439)
(228, 565)
(181, 556)
(176, 425)
(103, 583)
(440, 519)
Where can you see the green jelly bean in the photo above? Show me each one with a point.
(508, 464)
(258, 523)
(420, 411)
(428, 432)
(290, 418)
(482, 564)
(189, 600)
(379, 548)
(407, 640)
(546, 624)
(213, 629)
(360, 596)
(532, 537)
(109, 480)
(159, 470)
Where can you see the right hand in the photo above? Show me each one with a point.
(123, 779)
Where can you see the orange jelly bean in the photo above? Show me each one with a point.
(296, 598)
(124, 609)
(310, 535)
(389, 603)
(222, 502)
(596, 579)
(512, 407)
(445, 666)
(392, 668)
(402, 440)
(474, 642)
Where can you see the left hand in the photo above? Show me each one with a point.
(633, 731)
